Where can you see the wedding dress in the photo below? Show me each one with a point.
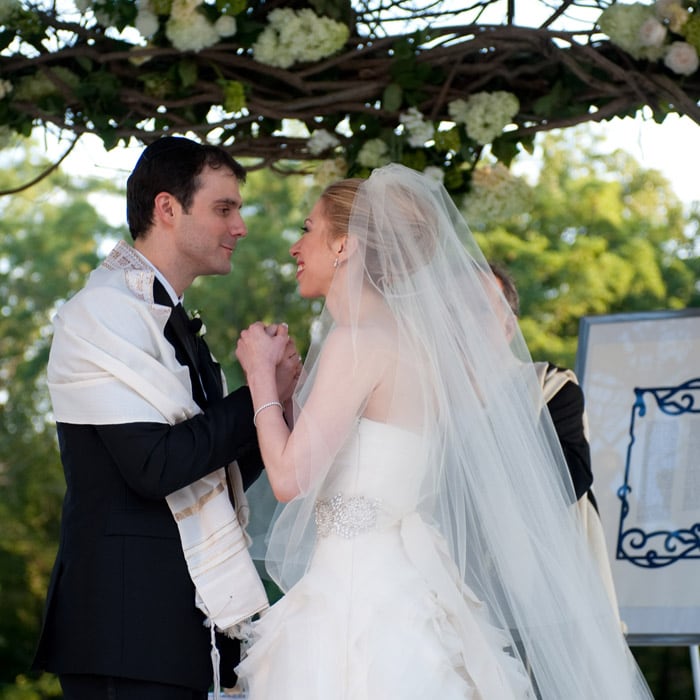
(382, 612)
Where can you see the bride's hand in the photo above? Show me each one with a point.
(260, 352)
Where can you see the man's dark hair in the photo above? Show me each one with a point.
(510, 291)
(171, 164)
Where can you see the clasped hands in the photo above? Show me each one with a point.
(269, 348)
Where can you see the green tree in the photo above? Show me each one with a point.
(602, 236)
(49, 238)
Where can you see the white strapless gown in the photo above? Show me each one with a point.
(381, 613)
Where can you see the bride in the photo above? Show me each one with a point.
(427, 546)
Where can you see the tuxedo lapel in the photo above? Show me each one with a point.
(177, 332)
(209, 370)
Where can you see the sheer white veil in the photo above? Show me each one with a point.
(416, 299)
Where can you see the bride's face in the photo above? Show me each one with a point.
(314, 255)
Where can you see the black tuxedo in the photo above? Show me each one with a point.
(121, 601)
(566, 408)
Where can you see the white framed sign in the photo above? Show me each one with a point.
(640, 375)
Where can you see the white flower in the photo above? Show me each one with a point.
(681, 58)
(373, 154)
(146, 22)
(419, 131)
(293, 36)
(103, 14)
(189, 30)
(485, 114)
(495, 194)
(623, 23)
(329, 171)
(226, 26)
(435, 173)
(652, 32)
(195, 315)
(672, 12)
(321, 140)
(5, 88)
(665, 8)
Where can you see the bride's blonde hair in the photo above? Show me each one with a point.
(338, 200)
(343, 207)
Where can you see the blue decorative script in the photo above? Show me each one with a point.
(658, 547)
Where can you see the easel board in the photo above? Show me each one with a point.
(640, 375)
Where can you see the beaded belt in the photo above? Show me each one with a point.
(346, 517)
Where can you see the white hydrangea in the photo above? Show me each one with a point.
(672, 12)
(330, 171)
(485, 114)
(146, 22)
(418, 130)
(435, 173)
(103, 13)
(189, 30)
(322, 140)
(652, 33)
(373, 154)
(293, 36)
(495, 194)
(682, 58)
(226, 26)
(623, 23)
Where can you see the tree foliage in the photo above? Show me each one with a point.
(602, 236)
(49, 239)
(389, 74)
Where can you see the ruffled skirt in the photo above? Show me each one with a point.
(381, 616)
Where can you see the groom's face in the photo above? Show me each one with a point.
(206, 234)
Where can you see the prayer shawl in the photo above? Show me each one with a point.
(111, 364)
(552, 379)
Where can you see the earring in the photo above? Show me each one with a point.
(335, 263)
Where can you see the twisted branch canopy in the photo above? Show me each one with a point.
(399, 55)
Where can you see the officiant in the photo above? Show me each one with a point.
(153, 578)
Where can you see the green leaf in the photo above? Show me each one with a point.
(528, 143)
(231, 7)
(187, 72)
(234, 95)
(85, 63)
(109, 138)
(391, 100)
(505, 149)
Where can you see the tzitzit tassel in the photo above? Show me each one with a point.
(215, 659)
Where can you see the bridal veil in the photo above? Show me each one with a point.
(496, 484)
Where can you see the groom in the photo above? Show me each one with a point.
(153, 555)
